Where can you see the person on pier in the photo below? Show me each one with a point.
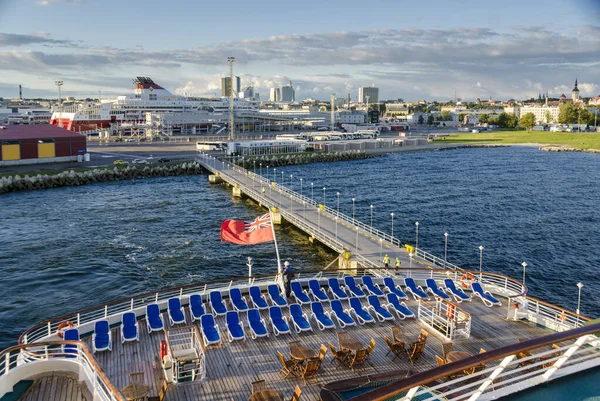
(386, 261)
(398, 262)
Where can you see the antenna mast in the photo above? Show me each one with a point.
(231, 122)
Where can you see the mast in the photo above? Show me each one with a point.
(279, 271)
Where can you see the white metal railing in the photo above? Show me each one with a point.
(508, 373)
(435, 260)
(445, 318)
(19, 361)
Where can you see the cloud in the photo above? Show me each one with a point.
(51, 2)
(519, 62)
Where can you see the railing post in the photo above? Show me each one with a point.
(572, 349)
(78, 319)
(49, 329)
(505, 362)
(131, 304)
(180, 292)
(105, 311)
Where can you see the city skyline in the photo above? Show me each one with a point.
(423, 52)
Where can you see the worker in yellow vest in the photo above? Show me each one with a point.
(398, 262)
(386, 261)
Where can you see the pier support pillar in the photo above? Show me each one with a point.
(215, 179)
(237, 191)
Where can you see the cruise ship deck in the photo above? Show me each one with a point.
(232, 367)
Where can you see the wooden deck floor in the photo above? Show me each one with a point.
(56, 387)
(233, 366)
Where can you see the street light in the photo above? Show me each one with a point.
(417, 242)
(480, 260)
(319, 217)
(324, 188)
(291, 182)
(380, 248)
(338, 201)
(300, 186)
(282, 177)
(312, 190)
(260, 171)
(524, 266)
(579, 286)
(371, 218)
(356, 249)
(336, 231)
(392, 214)
(445, 249)
(274, 175)
(353, 208)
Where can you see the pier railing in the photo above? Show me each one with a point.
(23, 361)
(500, 372)
(497, 284)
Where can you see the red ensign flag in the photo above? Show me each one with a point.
(247, 232)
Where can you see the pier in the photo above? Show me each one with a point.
(357, 243)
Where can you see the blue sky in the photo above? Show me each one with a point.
(413, 50)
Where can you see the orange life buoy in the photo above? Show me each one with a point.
(464, 278)
(163, 349)
(64, 326)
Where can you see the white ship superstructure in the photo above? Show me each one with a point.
(147, 97)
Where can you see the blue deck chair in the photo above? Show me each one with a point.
(129, 327)
(416, 290)
(298, 293)
(336, 290)
(361, 314)
(400, 308)
(256, 324)
(457, 293)
(485, 296)
(380, 311)
(210, 330)
(354, 289)
(216, 303)
(275, 295)
(299, 319)
(278, 321)
(102, 337)
(433, 288)
(70, 335)
(176, 315)
(154, 320)
(237, 300)
(235, 329)
(343, 317)
(196, 307)
(371, 286)
(391, 287)
(316, 291)
(258, 299)
(323, 318)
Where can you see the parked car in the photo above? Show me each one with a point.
(163, 160)
(120, 163)
(139, 161)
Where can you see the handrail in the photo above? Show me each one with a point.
(420, 379)
(81, 347)
(152, 296)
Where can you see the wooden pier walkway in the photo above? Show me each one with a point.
(365, 245)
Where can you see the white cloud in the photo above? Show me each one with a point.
(50, 2)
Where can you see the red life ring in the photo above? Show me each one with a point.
(64, 326)
(464, 278)
(450, 309)
(163, 349)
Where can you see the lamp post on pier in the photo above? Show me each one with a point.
(312, 190)
(353, 199)
(336, 231)
(282, 177)
(260, 170)
(371, 218)
(319, 218)
(524, 267)
(392, 214)
(417, 241)
(300, 186)
(274, 175)
(380, 248)
(291, 182)
(480, 260)
(324, 188)
(268, 176)
(579, 286)
(338, 202)
(445, 249)
(356, 249)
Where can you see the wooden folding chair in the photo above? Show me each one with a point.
(310, 369)
(423, 335)
(342, 336)
(294, 344)
(359, 359)
(396, 332)
(397, 349)
(440, 361)
(136, 378)
(481, 350)
(337, 355)
(322, 352)
(446, 348)
(297, 394)
(416, 350)
(286, 365)
(258, 386)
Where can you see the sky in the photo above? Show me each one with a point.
(409, 49)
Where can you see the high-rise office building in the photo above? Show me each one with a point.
(226, 86)
(288, 94)
(275, 95)
(370, 91)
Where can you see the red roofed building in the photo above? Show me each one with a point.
(30, 144)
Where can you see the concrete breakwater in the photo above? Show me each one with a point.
(303, 158)
(554, 148)
(72, 178)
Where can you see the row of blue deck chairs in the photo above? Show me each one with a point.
(102, 339)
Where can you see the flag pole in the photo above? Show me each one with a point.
(275, 241)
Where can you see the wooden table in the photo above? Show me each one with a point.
(351, 344)
(302, 353)
(266, 395)
(402, 339)
(135, 391)
(454, 356)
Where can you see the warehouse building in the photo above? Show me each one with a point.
(31, 144)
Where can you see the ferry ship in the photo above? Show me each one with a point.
(129, 109)
(430, 331)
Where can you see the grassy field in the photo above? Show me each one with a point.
(584, 140)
